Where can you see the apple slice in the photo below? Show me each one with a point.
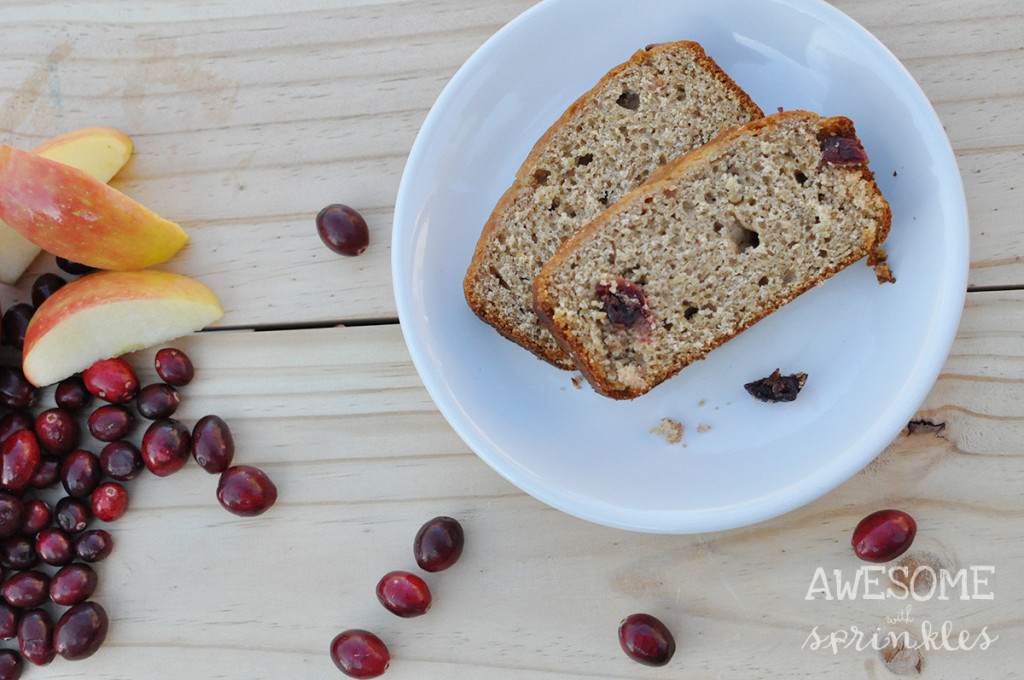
(106, 314)
(99, 151)
(69, 213)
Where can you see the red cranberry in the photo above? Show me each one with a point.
(646, 640)
(80, 472)
(404, 594)
(174, 367)
(9, 617)
(16, 392)
(360, 654)
(109, 501)
(843, 151)
(165, 446)
(110, 422)
(72, 514)
(112, 380)
(18, 552)
(57, 431)
(73, 584)
(438, 544)
(35, 637)
(883, 535)
(71, 394)
(15, 321)
(19, 458)
(54, 546)
(12, 514)
(80, 631)
(213, 447)
(37, 516)
(246, 490)
(47, 473)
(342, 229)
(44, 286)
(156, 401)
(14, 421)
(11, 665)
(121, 460)
(624, 302)
(27, 589)
(94, 545)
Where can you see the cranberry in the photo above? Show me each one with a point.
(646, 640)
(9, 617)
(71, 394)
(18, 552)
(94, 545)
(19, 458)
(72, 514)
(174, 367)
(245, 490)
(80, 472)
(16, 392)
(44, 286)
(35, 637)
(37, 516)
(110, 422)
(57, 431)
(73, 268)
(883, 535)
(342, 229)
(112, 380)
(11, 665)
(156, 401)
(624, 302)
(73, 584)
(47, 472)
(842, 151)
(14, 421)
(12, 514)
(15, 322)
(213, 447)
(360, 654)
(438, 544)
(27, 589)
(165, 447)
(121, 460)
(54, 546)
(80, 631)
(404, 594)
(109, 501)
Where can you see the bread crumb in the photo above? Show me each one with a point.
(577, 381)
(702, 428)
(671, 430)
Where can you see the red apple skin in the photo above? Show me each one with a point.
(69, 213)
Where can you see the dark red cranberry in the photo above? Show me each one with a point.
(110, 422)
(15, 322)
(44, 286)
(37, 516)
(109, 501)
(342, 229)
(883, 535)
(842, 151)
(18, 552)
(73, 584)
(623, 301)
(71, 394)
(73, 268)
(16, 392)
(55, 546)
(404, 594)
(121, 460)
(360, 654)
(174, 367)
(27, 589)
(14, 421)
(646, 640)
(12, 514)
(438, 544)
(11, 665)
(19, 458)
(156, 401)
(112, 380)
(246, 490)
(9, 617)
(213, 447)
(72, 514)
(80, 631)
(35, 637)
(80, 472)
(47, 473)
(165, 446)
(94, 545)
(57, 431)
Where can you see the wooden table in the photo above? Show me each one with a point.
(247, 119)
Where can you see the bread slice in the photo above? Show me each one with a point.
(666, 100)
(714, 242)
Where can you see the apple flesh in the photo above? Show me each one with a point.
(98, 151)
(107, 314)
(69, 213)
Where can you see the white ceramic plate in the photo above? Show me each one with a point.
(872, 352)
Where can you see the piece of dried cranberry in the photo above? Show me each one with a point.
(623, 301)
(777, 387)
(837, 150)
